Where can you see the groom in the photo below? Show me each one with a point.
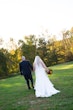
(26, 70)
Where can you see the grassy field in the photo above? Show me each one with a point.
(14, 94)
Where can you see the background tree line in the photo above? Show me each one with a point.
(51, 51)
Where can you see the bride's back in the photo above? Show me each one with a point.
(37, 62)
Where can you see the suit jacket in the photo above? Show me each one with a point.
(25, 68)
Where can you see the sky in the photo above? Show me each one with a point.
(24, 17)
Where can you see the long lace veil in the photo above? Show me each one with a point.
(38, 61)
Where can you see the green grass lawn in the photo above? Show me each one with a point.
(14, 94)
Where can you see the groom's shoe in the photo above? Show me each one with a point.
(29, 88)
(33, 87)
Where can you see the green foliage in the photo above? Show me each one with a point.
(8, 63)
(29, 48)
(42, 50)
(3, 65)
(51, 51)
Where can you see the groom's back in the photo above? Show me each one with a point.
(26, 67)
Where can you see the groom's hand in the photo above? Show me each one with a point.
(21, 73)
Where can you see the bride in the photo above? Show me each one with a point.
(43, 86)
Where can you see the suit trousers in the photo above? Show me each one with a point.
(29, 78)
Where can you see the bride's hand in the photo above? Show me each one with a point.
(33, 67)
(47, 70)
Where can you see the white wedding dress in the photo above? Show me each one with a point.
(43, 86)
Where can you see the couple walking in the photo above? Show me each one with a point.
(43, 86)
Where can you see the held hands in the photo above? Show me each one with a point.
(21, 72)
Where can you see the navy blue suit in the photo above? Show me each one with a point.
(25, 70)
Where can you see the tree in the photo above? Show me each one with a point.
(3, 65)
(28, 47)
(41, 49)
